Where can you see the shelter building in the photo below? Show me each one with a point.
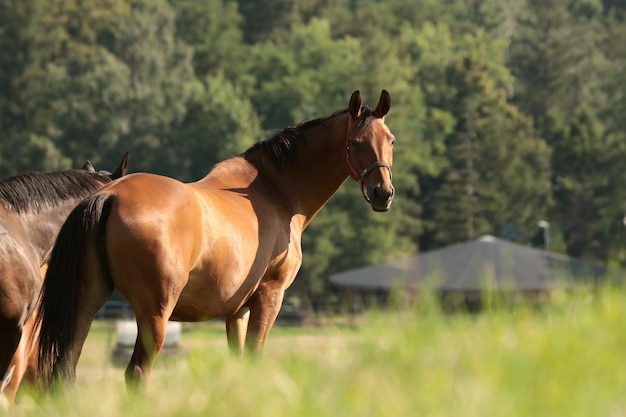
(466, 271)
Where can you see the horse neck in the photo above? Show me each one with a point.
(320, 169)
(40, 227)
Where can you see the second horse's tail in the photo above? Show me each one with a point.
(56, 314)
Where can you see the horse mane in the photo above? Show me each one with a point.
(36, 190)
(283, 145)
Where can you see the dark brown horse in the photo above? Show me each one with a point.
(33, 206)
(226, 246)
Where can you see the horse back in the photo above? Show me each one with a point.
(148, 208)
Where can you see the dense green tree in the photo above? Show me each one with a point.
(553, 58)
(220, 122)
(25, 50)
(126, 92)
(310, 75)
(613, 82)
(212, 29)
(272, 20)
(612, 195)
(437, 50)
(88, 95)
(615, 8)
(261, 18)
(589, 182)
(18, 53)
(498, 178)
(23, 151)
(559, 82)
(361, 18)
(36, 38)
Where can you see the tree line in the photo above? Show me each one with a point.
(505, 112)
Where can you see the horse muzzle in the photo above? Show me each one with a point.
(376, 193)
(379, 196)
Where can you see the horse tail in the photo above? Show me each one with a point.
(56, 312)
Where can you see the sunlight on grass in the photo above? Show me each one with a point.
(565, 358)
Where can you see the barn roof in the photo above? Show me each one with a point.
(484, 263)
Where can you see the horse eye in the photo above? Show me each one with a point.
(355, 142)
(393, 141)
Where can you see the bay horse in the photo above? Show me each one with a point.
(33, 206)
(225, 246)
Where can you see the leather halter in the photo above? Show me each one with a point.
(359, 176)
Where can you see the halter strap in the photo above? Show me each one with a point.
(351, 169)
(377, 164)
(358, 176)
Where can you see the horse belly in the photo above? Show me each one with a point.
(229, 268)
(208, 296)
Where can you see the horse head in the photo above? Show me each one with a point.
(369, 150)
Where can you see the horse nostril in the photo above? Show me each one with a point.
(381, 193)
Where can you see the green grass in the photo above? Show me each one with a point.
(564, 359)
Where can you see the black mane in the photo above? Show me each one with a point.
(36, 190)
(283, 145)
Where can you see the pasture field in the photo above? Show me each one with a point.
(566, 358)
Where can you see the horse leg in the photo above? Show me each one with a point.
(25, 358)
(264, 305)
(153, 308)
(19, 363)
(32, 335)
(11, 331)
(150, 339)
(30, 351)
(236, 328)
(22, 343)
(24, 362)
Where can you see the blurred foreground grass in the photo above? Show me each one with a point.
(566, 358)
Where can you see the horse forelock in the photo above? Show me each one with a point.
(365, 120)
(34, 191)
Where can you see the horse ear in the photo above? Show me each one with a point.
(122, 169)
(355, 104)
(88, 167)
(384, 104)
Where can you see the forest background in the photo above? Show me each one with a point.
(506, 112)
